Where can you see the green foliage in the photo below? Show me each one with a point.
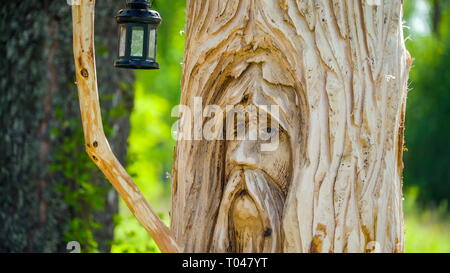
(150, 143)
(76, 182)
(427, 162)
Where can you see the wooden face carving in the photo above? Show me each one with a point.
(248, 154)
(257, 184)
(338, 71)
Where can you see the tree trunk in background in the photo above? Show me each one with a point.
(338, 70)
(437, 14)
(50, 192)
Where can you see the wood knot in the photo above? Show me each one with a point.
(268, 232)
(245, 99)
(84, 73)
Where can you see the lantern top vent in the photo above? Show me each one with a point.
(138, 11)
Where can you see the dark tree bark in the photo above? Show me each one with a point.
(50, 192)
(437, 13)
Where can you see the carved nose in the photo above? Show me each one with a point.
(245, 153)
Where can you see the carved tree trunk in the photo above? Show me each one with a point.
(338, 71)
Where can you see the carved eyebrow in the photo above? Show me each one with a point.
(282, 119)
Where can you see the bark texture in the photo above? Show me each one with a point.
(49, 192)
(338, 70)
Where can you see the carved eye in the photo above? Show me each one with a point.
(270, 131)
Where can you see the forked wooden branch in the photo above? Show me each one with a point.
(97, 145)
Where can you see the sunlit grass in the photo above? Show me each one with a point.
(427, 230)
(131, 237)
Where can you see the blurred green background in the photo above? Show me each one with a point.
(427, 161)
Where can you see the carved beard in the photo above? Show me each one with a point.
(250, 214)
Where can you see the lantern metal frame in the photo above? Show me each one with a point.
(138, 14)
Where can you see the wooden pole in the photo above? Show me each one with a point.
(97, 145)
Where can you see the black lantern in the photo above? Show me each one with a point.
(137, 36)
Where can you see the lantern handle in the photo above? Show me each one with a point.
(150, 2)
(97, 145)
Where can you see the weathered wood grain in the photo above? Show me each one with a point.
(339, 69)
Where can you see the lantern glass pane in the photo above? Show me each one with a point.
(152, 44)
(137, 41)
(122, 40)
